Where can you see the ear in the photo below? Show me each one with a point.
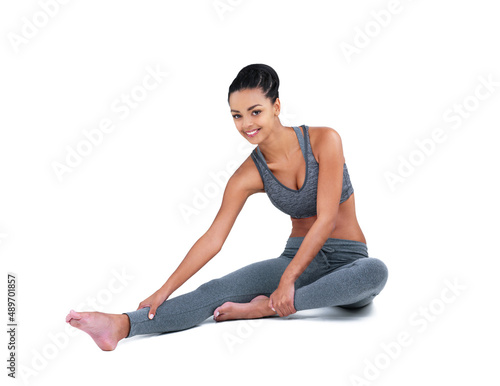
(277, 106)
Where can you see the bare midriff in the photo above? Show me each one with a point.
(346, 227)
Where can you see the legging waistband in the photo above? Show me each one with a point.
(352, 245)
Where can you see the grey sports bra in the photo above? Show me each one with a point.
(297, 203)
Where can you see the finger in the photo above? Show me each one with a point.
(279, 309)
(270, 304)
(216, 313)
(152, 311)
(144, 303)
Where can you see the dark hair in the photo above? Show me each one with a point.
(257, 76)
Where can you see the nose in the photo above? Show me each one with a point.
(247, 124)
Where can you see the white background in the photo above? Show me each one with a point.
(119, 210)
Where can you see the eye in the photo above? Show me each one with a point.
(235, 116)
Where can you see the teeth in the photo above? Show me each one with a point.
(252, 132)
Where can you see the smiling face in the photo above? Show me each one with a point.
(253, 113)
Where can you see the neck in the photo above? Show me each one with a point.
(278, 144)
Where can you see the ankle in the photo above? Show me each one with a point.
(123, 325)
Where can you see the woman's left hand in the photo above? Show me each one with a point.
(281, 300)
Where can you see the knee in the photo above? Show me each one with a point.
(208, 286)
(212, 286)
(376, 272)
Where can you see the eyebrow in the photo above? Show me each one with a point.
(250, 108)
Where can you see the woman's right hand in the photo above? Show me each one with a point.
(153, 302)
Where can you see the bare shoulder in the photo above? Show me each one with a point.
(247, 178)
(320, 133)
(324, 139)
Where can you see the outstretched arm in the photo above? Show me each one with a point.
(208, 245)
(330, 179)
(238, 189)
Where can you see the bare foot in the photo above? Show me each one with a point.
(106, 329)
(257, 308)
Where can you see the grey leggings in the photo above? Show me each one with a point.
(341, 274)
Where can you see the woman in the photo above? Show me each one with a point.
(325, 261)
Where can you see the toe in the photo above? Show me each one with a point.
(75, 323)
(75, 315)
